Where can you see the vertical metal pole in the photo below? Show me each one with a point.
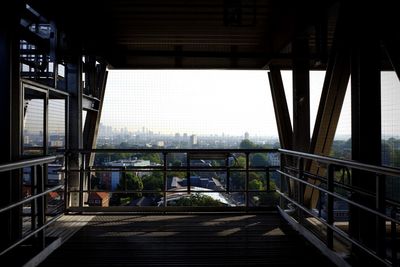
(41, 205)
(81, 177)
(247, 180)
(300, 188)
(188, 172)
(330, 218)
(281, 181)
(66, 177)
(380, 222)
(227, 174)
(165, 178)
(393, 232)
(33, 193)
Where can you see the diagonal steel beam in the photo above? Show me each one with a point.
(281, 108)
(330, 106)
(92, 122)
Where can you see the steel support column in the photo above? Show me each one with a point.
(74, 87)
(10, 121)
(301, 96)
(366, 120)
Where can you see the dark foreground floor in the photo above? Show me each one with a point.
(186, 240)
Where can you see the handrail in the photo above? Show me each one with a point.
(16, 204)
(32, 233)
(378, 211)
(38, 221)
(221, 154)
(340, 197)
(173, 150)
(348, 163)
(27, 163)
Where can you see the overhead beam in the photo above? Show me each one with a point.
(281, 108)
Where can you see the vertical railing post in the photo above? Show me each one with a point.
(281, 180)
(66, 179)
(228, 174)
(300, 187)
(247, 180)
(81, 178)
(393, 233)
(188, 172)
(380, 222)
(165, 178)
(41, 205)
(33, 193)
(330, 206)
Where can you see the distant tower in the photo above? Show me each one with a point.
(246, 135)
(193, 140)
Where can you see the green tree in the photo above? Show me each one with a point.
(256, 184)
(259, 159)
(197, 200)
(247, 144)
(129, 181)
(153, 157)
(153, 182)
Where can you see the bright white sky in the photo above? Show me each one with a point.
(206, 102)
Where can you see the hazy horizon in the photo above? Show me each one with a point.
(216, 102)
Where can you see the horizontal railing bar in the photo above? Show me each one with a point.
(30, 235)
(16, 204)
(172, 150)
(169, 191)
(351, 164)
(324, 179)
(335, 229)
(28, 163)
(341, 197)
(160, 168)
(345, 186)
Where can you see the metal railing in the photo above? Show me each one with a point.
(296, 178)
(37, 199)
(228, 172)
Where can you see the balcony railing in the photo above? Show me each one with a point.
(37, 208)
(171, 179)
(340, 201)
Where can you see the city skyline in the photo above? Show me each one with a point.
(209, 102)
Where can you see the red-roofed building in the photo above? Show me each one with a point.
(99, 199)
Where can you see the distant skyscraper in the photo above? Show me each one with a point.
(193, 140)
(246, 135)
